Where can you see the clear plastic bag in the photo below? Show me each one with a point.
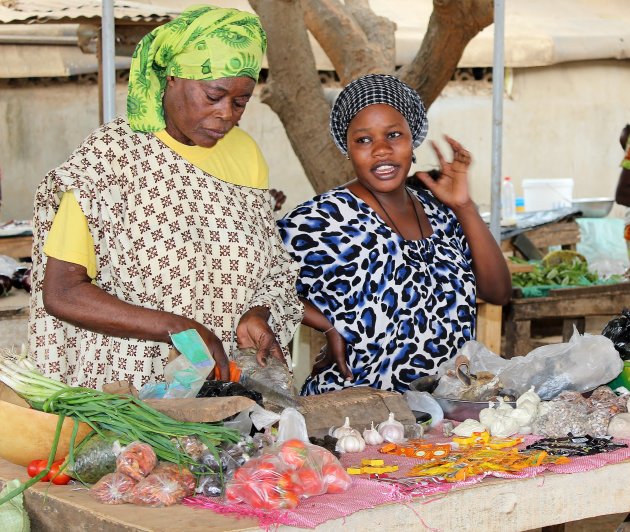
(581, 364)
(94, 460)
(275, 376)
(136, 460)
(113, 488)
(186, 374)
(424, 402)
(288, 472)
(292, 425)
(168, 484)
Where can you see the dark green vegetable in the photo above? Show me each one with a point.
(572, 273)
(94, 458)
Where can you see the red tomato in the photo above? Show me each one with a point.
(289, 500)
(232, 493)
(286, 482)
(310, 481)
(336, 478)
(294, 453)
(56, 477)
(265, 472)
(36, 467)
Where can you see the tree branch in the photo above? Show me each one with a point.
(295, 93)
(452, 25)
(344, 39)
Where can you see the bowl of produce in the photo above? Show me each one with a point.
(594, 207)
(454, 409)
(460, 410)
(28, 434)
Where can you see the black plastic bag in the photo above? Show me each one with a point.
(618, 331)
(227, 389)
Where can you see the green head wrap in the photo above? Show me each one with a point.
(204, 42)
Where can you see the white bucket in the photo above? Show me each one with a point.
(547, 194)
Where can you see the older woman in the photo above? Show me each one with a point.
(391, 273)
(163, 222)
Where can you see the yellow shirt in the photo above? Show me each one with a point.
(69, 237)
(236, 159)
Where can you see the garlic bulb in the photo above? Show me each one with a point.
(503, 405)
(350, 443)
(504, 426)
(468, 427)
(344, 430)
(372, 437)
(503, 420)
(530, 407)
(487, 415)
(391, 430)
(619, 426)
(522, 416)
(529, 395)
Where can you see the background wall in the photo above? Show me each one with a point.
(559, 121)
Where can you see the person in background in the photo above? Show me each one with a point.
(622, 194)
(162, 222)
(391, 274)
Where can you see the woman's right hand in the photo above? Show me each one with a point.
(334, 352)
(215, 346)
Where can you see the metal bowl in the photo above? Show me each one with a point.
(454, 409)
(594, 207)
(458, 410)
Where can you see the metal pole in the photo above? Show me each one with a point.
(497, 119)
(108, 53)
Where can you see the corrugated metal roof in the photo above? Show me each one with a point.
(41, 11)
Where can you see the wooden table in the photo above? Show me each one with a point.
(494, 505)
(572, 305)
(564, 233)
(18, 247)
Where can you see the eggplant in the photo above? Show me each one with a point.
(5, 285)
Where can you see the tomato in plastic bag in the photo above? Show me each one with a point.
(168, 484)
(136, 460)
(113, 488)
(287, 473)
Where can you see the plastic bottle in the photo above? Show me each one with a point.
(508, 202)
(520, 205)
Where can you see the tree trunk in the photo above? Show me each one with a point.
(295, 93)
(452, 25)
(355, 39)
(358, 42)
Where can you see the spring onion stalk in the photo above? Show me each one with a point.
(128, 417)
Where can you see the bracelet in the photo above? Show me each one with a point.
(328, 330)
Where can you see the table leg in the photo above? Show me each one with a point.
(567, 327)
(517, 338)
(489, 326)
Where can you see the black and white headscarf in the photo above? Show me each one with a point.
(372, 89)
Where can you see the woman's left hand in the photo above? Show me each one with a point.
(253, 331)
(451, 187)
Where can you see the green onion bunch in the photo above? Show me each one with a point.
(126, 416)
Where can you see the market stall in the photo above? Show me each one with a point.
(493, 505)
(481, 468)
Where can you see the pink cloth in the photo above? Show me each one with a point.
(365, 493)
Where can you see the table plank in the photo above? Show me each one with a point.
(18, 247)
(494, 505)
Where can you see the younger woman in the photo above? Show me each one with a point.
(394, 271)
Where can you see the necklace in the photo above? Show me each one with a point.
(413, 206)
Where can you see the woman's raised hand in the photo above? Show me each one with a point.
(451, 187)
